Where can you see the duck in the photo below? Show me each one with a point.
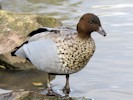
(61, 50)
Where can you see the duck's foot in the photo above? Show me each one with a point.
(66, 91)
(51, 92)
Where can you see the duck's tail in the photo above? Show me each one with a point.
(13, 53)
(19, 51)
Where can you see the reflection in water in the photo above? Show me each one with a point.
(109, 74)
(22, 79)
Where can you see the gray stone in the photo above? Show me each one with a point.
(14, 30)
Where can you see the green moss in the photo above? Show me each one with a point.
(38, 96)
(5, 65)
(25, 23)
(2, 67)
(48, 21)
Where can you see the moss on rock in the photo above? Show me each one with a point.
(29, 95)
(14, 30)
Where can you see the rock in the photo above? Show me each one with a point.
(29, 95)
(14, 29)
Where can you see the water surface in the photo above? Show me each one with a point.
(109, 74)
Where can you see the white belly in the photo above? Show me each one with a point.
(43, 54)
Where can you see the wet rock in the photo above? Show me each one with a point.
(29, 95)
(14, 29)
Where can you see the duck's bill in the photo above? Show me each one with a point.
(101, 31)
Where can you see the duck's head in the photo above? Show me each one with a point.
(89, 23)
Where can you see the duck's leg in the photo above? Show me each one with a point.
(50, 91)
(48, 82)
(66, 89)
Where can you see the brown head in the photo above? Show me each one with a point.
(89, 23)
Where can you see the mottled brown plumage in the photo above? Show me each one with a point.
(74, 52)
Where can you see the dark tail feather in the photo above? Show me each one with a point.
(13, 53)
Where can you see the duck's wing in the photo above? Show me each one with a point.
(34, 36)
(46, 32)
(42, 30)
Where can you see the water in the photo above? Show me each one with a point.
(109, 74)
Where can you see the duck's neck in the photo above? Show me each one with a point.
(83, 32)
(84, 35)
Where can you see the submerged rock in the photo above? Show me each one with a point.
(29, 95)
(14, 29)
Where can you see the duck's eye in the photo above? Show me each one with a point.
(91, 22)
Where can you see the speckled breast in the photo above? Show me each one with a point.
(74, 53)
